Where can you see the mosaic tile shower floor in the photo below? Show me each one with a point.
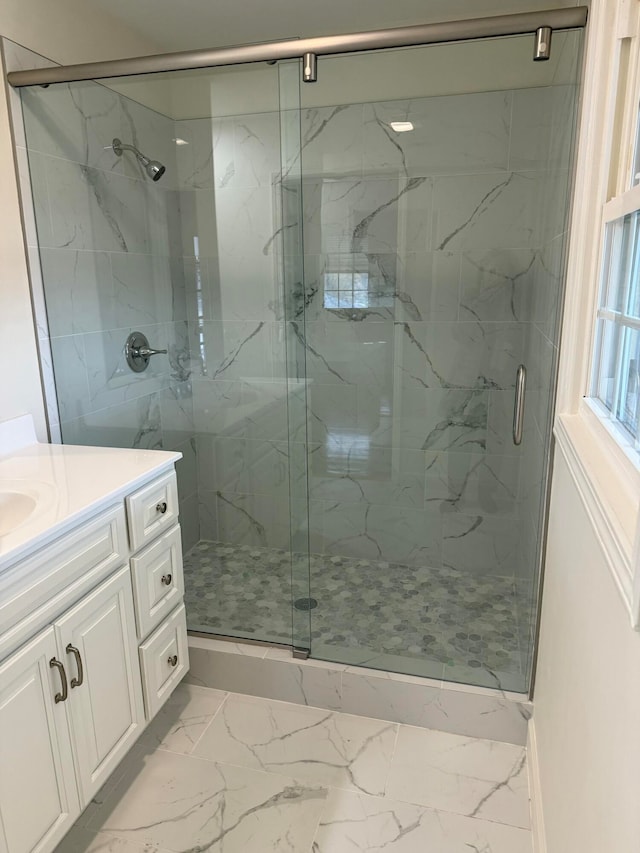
(365, 608)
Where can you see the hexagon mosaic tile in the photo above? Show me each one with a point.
(444, 615)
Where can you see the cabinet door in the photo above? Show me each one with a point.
(38, 797)
(97, 639)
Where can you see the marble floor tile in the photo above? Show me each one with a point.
(81, 840)
(181, 803)
(181, 722)
(355, 823)
(469, 776)
(270, 776)
(313, 746)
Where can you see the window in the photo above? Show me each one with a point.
(358, 281)
(616, 380)
(346, 289)
(614, 393)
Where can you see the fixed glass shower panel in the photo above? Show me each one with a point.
(435, 192)
(193, 258)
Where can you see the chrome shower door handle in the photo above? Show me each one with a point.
(518, 406)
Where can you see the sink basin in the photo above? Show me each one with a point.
(15, 509)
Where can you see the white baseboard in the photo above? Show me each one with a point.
(535, 792)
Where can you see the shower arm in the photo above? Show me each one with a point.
(119, 146)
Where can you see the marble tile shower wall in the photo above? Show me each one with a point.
(443, 236)
(110, 258)
(424, 254)
(229, 173)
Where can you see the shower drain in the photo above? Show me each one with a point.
(305, 603)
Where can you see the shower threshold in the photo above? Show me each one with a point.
(272, 672)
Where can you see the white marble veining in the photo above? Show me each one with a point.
(262, 673)
(477, 778)
(111, 261)
(183, 719)
(81, 840)
(311, 745)
(243, 790)
(439, 141)
(210, 643)
(181, 803)
(354, 822)
(72, 482)
(449, 227)
(484, 712)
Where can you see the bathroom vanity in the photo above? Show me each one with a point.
(93, 633)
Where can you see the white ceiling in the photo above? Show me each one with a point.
(191, 24)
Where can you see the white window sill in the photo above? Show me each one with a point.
(608, 482)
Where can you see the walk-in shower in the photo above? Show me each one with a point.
(358, 283)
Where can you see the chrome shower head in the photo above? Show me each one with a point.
(154, 169)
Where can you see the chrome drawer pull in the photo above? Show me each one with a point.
(166, 579)
(76, 682)
(60, 697)
(172, 660)
(161, 507)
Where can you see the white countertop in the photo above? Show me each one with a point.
(68, 484)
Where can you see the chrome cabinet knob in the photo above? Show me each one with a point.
(161, 507)
(172, 660)
(166, 579)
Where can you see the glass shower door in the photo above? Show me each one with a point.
(434, 218)
(199, 263)
(294, 315)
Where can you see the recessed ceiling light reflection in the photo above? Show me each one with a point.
(179, 141)
(401, 126)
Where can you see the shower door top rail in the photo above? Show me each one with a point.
(492, 26)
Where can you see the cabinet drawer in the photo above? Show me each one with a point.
(152, 509)
(158, 584)
(37, 590)
(164, 659)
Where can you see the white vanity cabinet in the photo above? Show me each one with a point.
(92, 643)
(38, 795)
(98, 646)
(70, 708)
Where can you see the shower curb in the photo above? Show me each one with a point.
(272, 673)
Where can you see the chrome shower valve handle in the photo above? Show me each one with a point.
(147, 352)
(138, 352)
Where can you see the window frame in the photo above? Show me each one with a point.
(614, 212)
(604, 465)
